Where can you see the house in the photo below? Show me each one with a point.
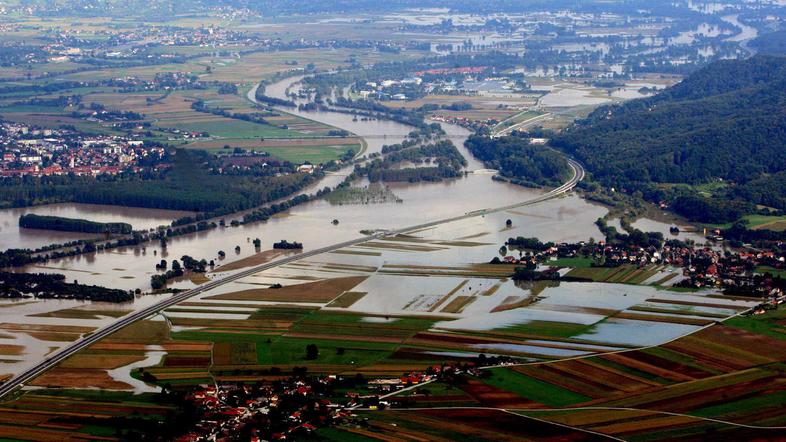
(306, 168)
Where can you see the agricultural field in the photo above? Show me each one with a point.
(615, 338)
(729, 372)
(757, 222)
(414, 301)
(407, 303)
(726, 379)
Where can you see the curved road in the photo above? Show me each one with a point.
(62, 354)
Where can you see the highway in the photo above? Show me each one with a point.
(520, 125)
(65, 352)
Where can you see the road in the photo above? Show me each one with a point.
(65, 352)
(521, 125)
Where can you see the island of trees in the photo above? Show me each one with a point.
(47, 285)
(32, 221)
(284, 244)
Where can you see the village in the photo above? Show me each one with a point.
(745, 272)
(297, 406)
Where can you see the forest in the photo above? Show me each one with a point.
(723, 124)
(772, 43)
(188, 186)
(519, 161)
(446, 159)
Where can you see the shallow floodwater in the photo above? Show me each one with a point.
(22, 320)
(310, 223)
(123, 374)
(746, 32)
(650, 225)
(570, 97)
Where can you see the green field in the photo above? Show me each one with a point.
(533, 389)
(769, 222)
(728, 409)
(311, 154)
(624, 274)
(516, 119)
(769, 324)
(576, 263)
(774, 271)
(231, 128)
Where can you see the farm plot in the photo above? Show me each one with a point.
(320, 291)
(723, 372)
(78, 415)
(296, 150)
(467, 425)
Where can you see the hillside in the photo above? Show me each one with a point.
(726, 122)
(520, 162)
(773, 43)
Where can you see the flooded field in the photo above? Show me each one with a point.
(566, 219)
(572, 95)
(440, 275)
(30, 329)
(310, 224)
(376, 133)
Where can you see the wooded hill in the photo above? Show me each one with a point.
(725, 122)
(520, 162)
(772, 43)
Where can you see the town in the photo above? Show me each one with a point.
(38, 152)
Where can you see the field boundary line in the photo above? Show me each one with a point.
(504, 410)
(669, 413)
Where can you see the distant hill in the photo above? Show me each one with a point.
(773, 43)
(726, 121)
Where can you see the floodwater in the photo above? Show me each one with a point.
(310, 223)
(22, 320)
(746, 32)
(123, 374)
(569, 97)
(650, 225)
(13, 236)
(704, 30)
(377, 133)
(565, 219)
